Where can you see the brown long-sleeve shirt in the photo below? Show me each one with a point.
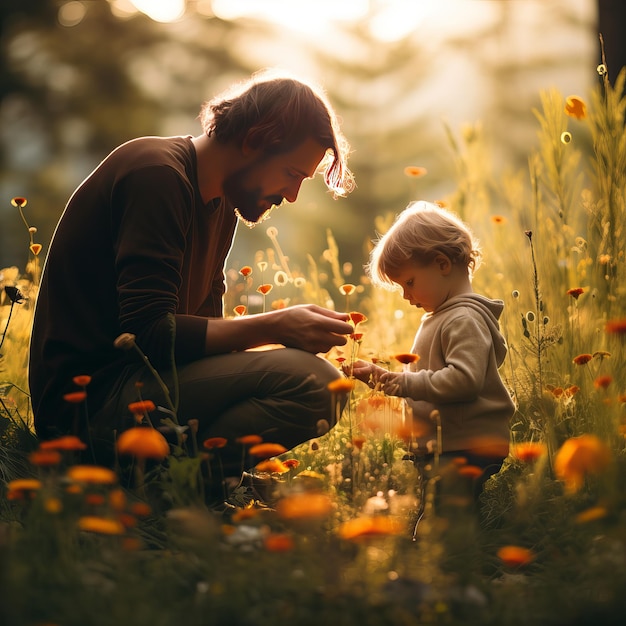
(134, 244)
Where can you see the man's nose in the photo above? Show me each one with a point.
(290, 193)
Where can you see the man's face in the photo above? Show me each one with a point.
(255, 188)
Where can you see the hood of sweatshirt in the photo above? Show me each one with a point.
(490, 310)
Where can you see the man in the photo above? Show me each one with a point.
(141, 248)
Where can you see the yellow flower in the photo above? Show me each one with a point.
(578, 457)
(575, 107)
(101, 525)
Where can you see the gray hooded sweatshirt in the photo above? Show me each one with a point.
(460, 349)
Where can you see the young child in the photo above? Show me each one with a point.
(430, 254)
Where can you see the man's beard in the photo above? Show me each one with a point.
(248, 203)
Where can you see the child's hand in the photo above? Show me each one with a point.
(389, 383)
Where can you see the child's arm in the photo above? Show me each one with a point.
(366, 372)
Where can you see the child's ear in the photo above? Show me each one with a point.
(444, 264)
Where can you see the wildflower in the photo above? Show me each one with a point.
(572, 390)
(341, 385)
(19, 202)
(143, 443)
(357, 318)
(368, 527)
(117, 499)
(305, 506)
(278, 542)
(602, 382)
(604, 259)
(125, 341)
(291, 463)
(21, 487)
(591, 514)
(140, 509)
(616, 327)
(281, 278)
(347, 289)
(92, 474)
(498, 219)
(53, 506)
(575, 107)
(240, 309)
(267, 450)
(67, 442)
(470, 471)
(249, 440)
(575, 292)
(75, 397)
(566, 137)
(406, 358)
(601, 354)
(582, 359)
(601, 69)
(578, 457)
(14, 294)
(101, 525)
(35, 248)
(245, 271)
(264, 289)
(141, 407)
(528, 451)
(214, 442)
(272, 466)
(515, 556)
(415, 171)
(81, 381)
(262, 265)
(45, 458)
(356, 336)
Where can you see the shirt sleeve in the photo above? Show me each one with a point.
(465, 346)
(153, 211)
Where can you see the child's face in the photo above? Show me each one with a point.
(424, 286)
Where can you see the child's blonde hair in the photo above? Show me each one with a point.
(421, 232)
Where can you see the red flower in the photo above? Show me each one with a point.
(515, 556)
(214, 442)
(582, 359)
(81, 381)
(357, 317)
(575, 292)
(406, 357)
(246, 270)
(617, 327)
(264, 289)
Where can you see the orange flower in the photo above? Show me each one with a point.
(141, 406)
(575, 292)
(602, 382)
(92, 474)
(347, 289)
(75, 397)
(214, 442)
(591, 514)
(515, 556)
(341, 385)
(305, 506)
(406, 357)
(575, 107)
(35, 248)
(245, 271)
(143, 443)
(572, 390)
(278, 542)
(140, 509)
(578, 457)
(529, 451)
(81, 381)
(45, 458)
(582, 359)
(498, 219)
(20, 487)
(415, 171)
(240, 309)
(356, 336)
(264, 289)
(101, 525)
(67, 442)
(272, 466)
(470, 471)
(291, 463)
(365, 528)
(617, 327)
(358, 442)
(249, 440)
(267, 450)
(357, 317)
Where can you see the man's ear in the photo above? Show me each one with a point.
(444, 264)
